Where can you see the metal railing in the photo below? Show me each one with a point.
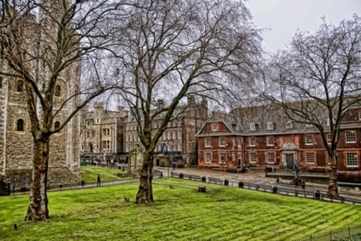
(277, 189)
(351, 233)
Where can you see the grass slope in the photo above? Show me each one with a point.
(89, 174)
(179, 213)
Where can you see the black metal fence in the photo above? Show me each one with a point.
(277, 189)
(352, 233)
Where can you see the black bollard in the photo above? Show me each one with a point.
(274, 189)
(317, 195)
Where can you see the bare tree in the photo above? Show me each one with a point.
(318, 80)
(42, 46)
(172, 49)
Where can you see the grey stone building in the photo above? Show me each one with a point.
(178, 142)
(102, 135)
(16, 145)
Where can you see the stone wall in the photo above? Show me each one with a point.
(19, 144)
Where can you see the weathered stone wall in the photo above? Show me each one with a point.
(19, 145)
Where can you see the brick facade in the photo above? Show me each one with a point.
(229, 147)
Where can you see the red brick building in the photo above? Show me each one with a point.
(270, 140)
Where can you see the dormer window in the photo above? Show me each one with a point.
(270, 125)
(289, 125)
(214, 126)
(253, 126)
(309, 125)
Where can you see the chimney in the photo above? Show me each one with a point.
(191, 100)
(160, 103)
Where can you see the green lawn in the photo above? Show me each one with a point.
(179, 213)
(89, 174)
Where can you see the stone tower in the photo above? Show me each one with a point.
(15, 137)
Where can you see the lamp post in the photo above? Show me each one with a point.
(164, 151)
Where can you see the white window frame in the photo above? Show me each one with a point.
(328, 138)
(353, 135)
(267, 141)
(267, 154)
(206, 160)
(348, 154)
(220, 159)
(239, 142)
(220, 142)
(250, 159)
(250, 142)
(359, 115)
(305, 140)
(179, 135)
(207, 142)
(314, 157)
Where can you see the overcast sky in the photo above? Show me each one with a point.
(282, 18)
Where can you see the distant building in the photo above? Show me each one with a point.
(102, 135)
(263, 137)
(178, 143)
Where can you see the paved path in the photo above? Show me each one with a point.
(87, 186)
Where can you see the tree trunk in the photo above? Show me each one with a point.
(145, 191)
(332, 185)
(38, 207)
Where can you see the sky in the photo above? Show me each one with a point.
(282, 18)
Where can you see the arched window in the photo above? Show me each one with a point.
(56, 125)
(20, 125)
(57, 90)
(19, 86)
